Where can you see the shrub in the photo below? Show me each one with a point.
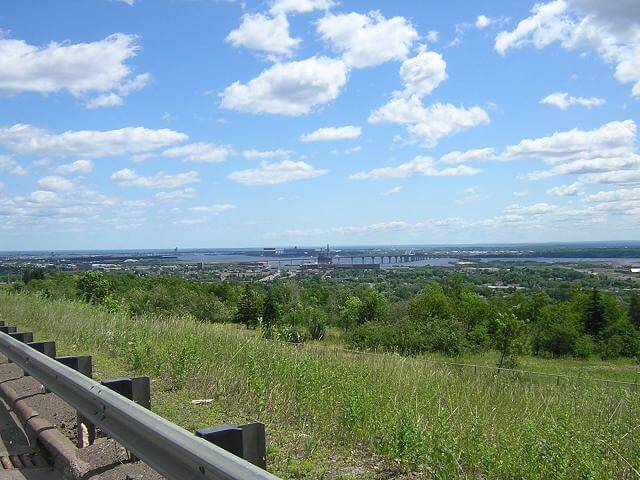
(289, 333)
(317, 327)
(446, 336)
(93, 287)
(401, 337)
(584, 347)
(611, 348)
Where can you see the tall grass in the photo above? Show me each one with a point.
(328, 407)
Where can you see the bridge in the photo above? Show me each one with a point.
(379, 258)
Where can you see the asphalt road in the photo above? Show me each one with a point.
(107, 460)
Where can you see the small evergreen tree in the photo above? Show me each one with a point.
(594, 319)
(270, 314)
(634, 309)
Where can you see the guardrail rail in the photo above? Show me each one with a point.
(169, 449)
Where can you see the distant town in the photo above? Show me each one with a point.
(270, 263)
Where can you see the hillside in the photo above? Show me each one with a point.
(332, 414)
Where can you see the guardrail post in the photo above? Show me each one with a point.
(85, 430)
(137, 389)
(245, 441)
(8, 329)
(24, 337)
(48, 348)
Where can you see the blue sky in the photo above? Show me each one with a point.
(155, 123)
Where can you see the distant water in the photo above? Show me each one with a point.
(616, 261)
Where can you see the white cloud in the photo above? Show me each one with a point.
(612, 29)
(541, 208)
(267, 34)
(519, 217)
(266, 154)
(612, 140)
(136, 204)
(586, 166)
(276, 173)
(468, 195)
(483, 22)
(175, 195)
(325, 134)
(142, 157)
(392, 191)
(299, 6)
(563, 100)
(400, 110)
(614, 176)
(44, 196)
(57, 184)
(621, 194)
(10, 166)
(367, 40)
(129, 178)
(432, 36)
(214, 209)
(566, 190)
(29, 140)
(80, 69)
(72, 210)
(104, 101)
(543, 27)
(293, 88)
(477, 155)
(443, 120)
(350, 151)
(429, 124)
(521, 193)
(200, 152)
(423, 73)
(419, 165)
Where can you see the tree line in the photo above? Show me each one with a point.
(408, 314)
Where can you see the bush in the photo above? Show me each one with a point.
(93, 287)
(317, 327)
(447, 337)
(401, 337)
(584, 347)
(289, 333)
(612, 348)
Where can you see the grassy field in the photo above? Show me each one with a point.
(332, 414)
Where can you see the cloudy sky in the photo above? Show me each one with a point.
(201, 123)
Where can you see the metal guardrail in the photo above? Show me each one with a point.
(167, 448)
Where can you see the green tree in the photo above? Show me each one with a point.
(634, 309)
(32, 274)
(508, 338)
(349, 313)
(92, 287)
(249, 308)
(270, 313)
(557, 330)
(594, 319)
(374, 307)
